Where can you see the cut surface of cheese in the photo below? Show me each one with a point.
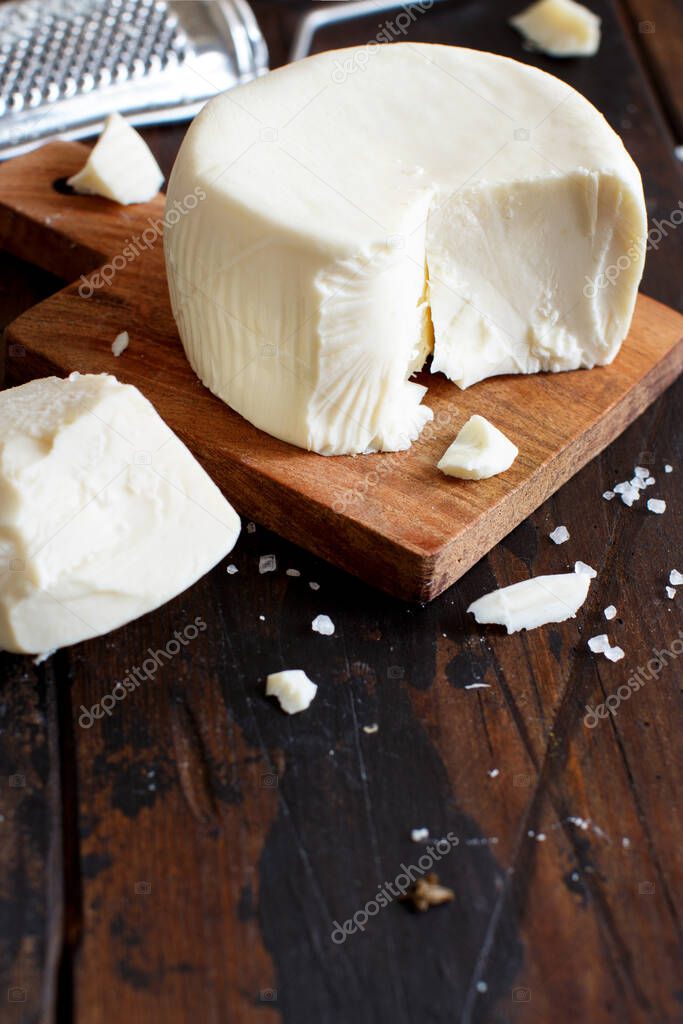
(479, 451)
(120, 166)
(104, 513)
(365, 207)
(560, 28)
(293, 689)
(533, 602)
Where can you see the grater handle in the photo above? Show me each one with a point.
(44, 223)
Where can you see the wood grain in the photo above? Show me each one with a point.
(262, 829)
(393, 519)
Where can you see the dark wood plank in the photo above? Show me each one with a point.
(247, 878)
(657, 27)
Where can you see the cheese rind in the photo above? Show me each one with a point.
(560, 28)
(329, 257)
(104, 513)
(479, 451)
(120, 166)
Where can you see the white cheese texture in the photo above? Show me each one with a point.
(293, 689)
(120, 166)
(368, 206)
(560, 28)
(104, 513)
(479, 451)
(533, 602)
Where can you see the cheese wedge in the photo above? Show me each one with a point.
(367, 206)
(479, 451)
(120, 166)
(104, 513)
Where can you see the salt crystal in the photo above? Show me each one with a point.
(262, 618)
(585, 570)
(642, 471)
(478, 686)
(482, 986)
(292, 572)
(625, 842)
(639, 484)
(267, 563)
(418, 835)
(323, 624)
(668, 468)
(231, 570)
(540, 838)
(650, 481)
(620, 488)
(493, 773)
(610, 612)
(631, 495)
(599, 644)
(608, 495)
(656, 505)
(370, 729)
(314, 586)
(559, 535)
(675, 578)
(671, 592)
(614, 654)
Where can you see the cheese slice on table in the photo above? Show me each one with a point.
(366, 206)
(120, 166)
(104, 513)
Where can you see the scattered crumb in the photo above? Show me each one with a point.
(668, 468)
(482, 986)
(120, 343)
(585, 570)
(292, 572)
(626, 842)
(262, 618)
(608, 495)
(231, 570)
(478, 686)
(267, 563)
(540, 838)
(314, 586)
(610, 612)
(614, 654)
(675, 578)
(599, 644)
(581, 823)
(650, 481)
(370, 729)
(323, 624)
(559, 535)
(493, 773)
(671, 592)
(656, 505)
(418, 835)
(642, 471)
(426, 892)
(531, 833)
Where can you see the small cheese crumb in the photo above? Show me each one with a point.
(418, 835)
(292, 572)
(610, 612)
(608, 495)
(675, 578)
(231, 570)
(585, 570)
(267, 563)
(323, 624)
(293, 689)
(493, 773)
(671, 592)
(559, 535)
(668, 468)
(120, 343)
(656, 505)
(371, 729)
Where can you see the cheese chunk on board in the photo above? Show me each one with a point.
(120, 167)
(366, 207)
(479, 451)
(104, 513)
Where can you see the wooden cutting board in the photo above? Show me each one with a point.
(391, 519)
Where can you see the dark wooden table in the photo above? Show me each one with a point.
(186, 858)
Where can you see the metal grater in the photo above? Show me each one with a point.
(66, 64)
